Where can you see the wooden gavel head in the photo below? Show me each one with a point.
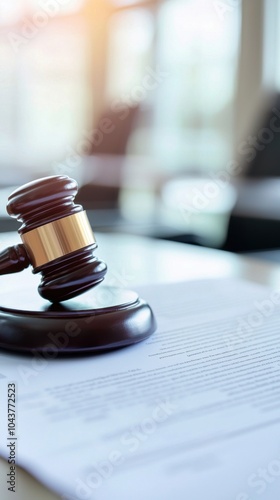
(57, 239)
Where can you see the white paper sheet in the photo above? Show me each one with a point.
(192, 413)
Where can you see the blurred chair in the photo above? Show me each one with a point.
(115, 143)
(255, 220)
(265, 161)
(100, 192)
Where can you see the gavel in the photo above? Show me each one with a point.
(57, 239)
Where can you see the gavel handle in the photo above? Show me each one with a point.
(13, 260)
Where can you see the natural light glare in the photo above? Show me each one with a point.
(200, 52)
(44, 91)
(65, 6)
(11, 11)
(66, 69)
(131, 35)
(195, 26)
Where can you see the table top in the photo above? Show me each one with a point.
(134, 261)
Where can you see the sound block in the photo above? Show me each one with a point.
(101, 319)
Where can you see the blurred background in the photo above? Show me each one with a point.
(166, 112)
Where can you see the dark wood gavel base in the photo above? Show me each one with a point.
(101, 319)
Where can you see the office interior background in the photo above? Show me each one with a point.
(165, 111)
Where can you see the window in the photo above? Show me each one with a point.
(130, 51)
(194, 108)
(190, 123)
(44, 86)
(61, 65)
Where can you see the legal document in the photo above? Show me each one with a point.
(191, 413)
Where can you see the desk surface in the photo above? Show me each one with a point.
(137, 261)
